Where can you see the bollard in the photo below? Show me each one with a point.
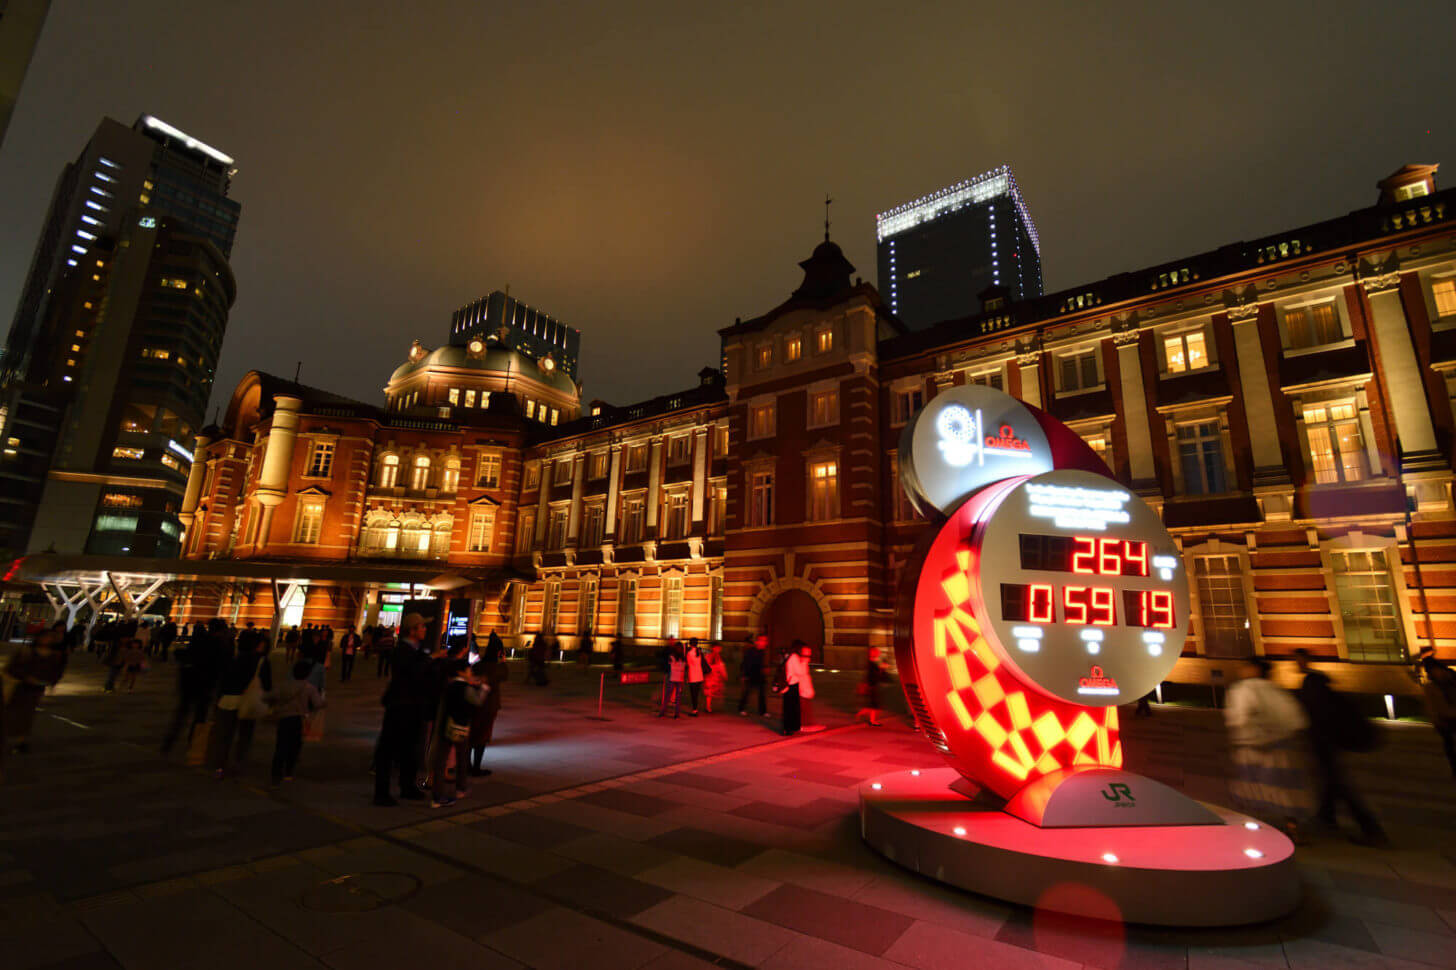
(601, 692)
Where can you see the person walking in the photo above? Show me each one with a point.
(166, 636)
(349, 645)
(869, 688)
(1266, 728)
(246, 678)
(115, 644)
(536, 661)
(751, 673)
(461, 699)
(492, 671)
(1336, 726)
(293, 701)
(1439, 687)
(133, 663)
(404, 701)
(715, 680)
(672, 687)
(693, 657)
(29, 672)
(198, 667)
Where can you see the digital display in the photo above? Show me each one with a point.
(1149, 609)
(1152, 609)
(1088, 555)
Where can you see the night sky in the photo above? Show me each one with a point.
(647, 172)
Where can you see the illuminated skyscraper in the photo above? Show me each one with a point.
(939, 252)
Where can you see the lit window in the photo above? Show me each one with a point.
(470, 399)
(551, 605)
(986, 378)
(675, 514)
(672, 603)
(75, 348)
(451, 480)
(823, 340)
(156, 353)
(679, 449)
(720, 433)
(1313, 325)
(592, 517)
(1412, 191)
(1101, 443)
(321, 460)
(760, 498)
(555, 415)
(1369, 608)
(556, 527)
(634, 513)
(636, 458)
(131, 454)
(454, 395)
(533, 474)
(823, 490)
(421, 478)
(561, 472)
(310, 523)
(823, 408)
(121, 500)
(596, 465)
(388, 471)
(530, 408)
(717, 509)
(1185, 352)
(763, 356)
(586, 606)
(482, 524)
(1200, 452)
(171, 462)
(627, 607)
(1443, 291)
(1335, 448)
(487, 472)
(1222, 607)
(761, 421)
(793, 349)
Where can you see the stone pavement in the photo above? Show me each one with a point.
(630, 842)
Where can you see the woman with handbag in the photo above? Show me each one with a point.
(462, 696)
(245, 679)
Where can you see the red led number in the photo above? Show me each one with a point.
(1136, 553)
(1155, 607)
(1089, 605)
(1109, 563)
(1084, 555)
(1109, 557)
(1039, 603)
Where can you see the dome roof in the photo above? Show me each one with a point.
(496, 360)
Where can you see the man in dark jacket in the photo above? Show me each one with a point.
(405, 701)
(199, 664)
(752, 674)
(1332, 722)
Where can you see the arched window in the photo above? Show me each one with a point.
(374, 534)
(388, 471)
(414, 537)
(421, 479)
(450, 480)
(440, 543)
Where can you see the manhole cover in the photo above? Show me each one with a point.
(359, 892)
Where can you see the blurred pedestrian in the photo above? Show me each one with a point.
(492, 671)
(246, 679)
(198, 665)
(349, 645)
(693, 657)
(536, 661)
(1439, 687)
(1336, 726)
(133, 663)
(461, 698)
(672, 687)
(31, 669)
(715, 680)
(404, 715)
(1266, 728)
(292, 701)
(869, 688)
(751, 673)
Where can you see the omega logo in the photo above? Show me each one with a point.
(1096, 682)
(962, 438)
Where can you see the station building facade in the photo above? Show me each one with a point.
(1285, 403)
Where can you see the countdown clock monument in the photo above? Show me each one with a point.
(1044, 596)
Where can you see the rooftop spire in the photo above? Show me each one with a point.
(827, 202)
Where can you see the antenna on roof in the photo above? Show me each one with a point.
(827, 202)
(297, 370)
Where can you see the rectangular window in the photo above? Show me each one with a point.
(526, 531)
(823, 490)
(636, 458)
(823, 409)
(679, 449)
(530, 408)
(1185, 352)
(720, 435)
(633, 518)
(310, 524)
(470, 399)
(1078, 372)
(556, 530)
(1336, 451)
(675, 515)
(1374, 632)
(1221, 604)
(562, 473)
(454, 395)
(586, 607)
(1101, 443)
(551, 603)
(627, 607)
(823, 340)
(986, 378)
(760, 498)
(591, 525)
(1443, 292)
(717, 509)
(487, 471)
(793, 349)
(482, 525)
(906, 403)
(533, 474)
(1200, 451)
(672, 601)
(132, 454)
(321, 460)
(761, 421)
(597, 465)
(1312, 325)
(763, 356)
(715, 608)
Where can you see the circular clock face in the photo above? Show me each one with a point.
(1080, 587)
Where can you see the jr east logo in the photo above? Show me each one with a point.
(1120, 794)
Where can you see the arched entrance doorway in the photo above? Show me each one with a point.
(793, 615)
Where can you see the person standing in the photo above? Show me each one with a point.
(694, 660)
(491, 670)
(293, 700)
(197, 671)
(672, 687)
(751, 672)
(348, 647)
(237, 715)
(404, 701)
(1336, 726)
(1439, 688)
(167, 635)
(383, 651)
(115, 644)
(792, 712)
(870, 688)
(716, 678)
(30, 671)
(461, 699)
(536, 661)
(798, 676)
(1266, 731)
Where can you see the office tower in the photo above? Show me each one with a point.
(938, 253)
(20, 26)
(112, 355)
(520, 327)
(151, 164)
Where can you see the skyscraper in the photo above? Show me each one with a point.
(939, 252)
(20, 26)
(110, 361)
(519, 327)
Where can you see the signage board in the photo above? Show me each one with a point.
(636, 677)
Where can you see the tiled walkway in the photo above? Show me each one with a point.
(630, 842)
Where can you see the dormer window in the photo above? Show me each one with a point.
(1412, 191)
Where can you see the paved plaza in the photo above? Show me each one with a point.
(629, 842)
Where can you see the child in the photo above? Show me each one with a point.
(133, 662)
(292, 702)
(463, 694)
